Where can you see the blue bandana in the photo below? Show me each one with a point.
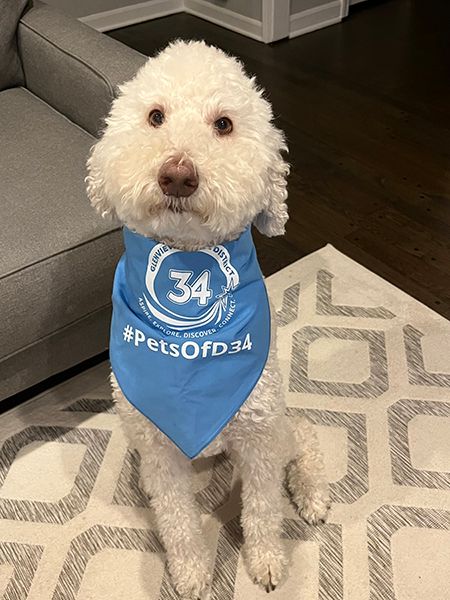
(190, 334)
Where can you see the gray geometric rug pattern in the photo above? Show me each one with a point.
(367, 364)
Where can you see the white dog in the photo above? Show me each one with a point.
(190, 158)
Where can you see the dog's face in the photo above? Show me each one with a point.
(189, 152)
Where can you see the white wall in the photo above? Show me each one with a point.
(248, 8)
(81, 8)
(299, 5)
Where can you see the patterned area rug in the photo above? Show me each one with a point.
(370, 367)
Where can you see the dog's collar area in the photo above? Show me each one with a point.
(194, 247)
(187, 244)
(188, 327)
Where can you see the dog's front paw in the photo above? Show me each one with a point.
(266, 566)
(314, 507)
(191, 577)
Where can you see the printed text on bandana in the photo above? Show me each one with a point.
(189, 350)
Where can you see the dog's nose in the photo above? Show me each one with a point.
(178, 178)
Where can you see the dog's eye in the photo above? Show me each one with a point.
(223, 126)
(156, 118)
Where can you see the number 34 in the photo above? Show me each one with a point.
(198, 290)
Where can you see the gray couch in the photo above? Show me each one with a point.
(57, 80)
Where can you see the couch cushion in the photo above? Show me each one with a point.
(72, 67)
(54, 353)
(57, 256)
(10, 68)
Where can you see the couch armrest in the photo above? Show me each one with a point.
(71, 66)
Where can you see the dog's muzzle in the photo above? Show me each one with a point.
(177, 178)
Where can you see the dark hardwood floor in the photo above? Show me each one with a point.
(366, 108)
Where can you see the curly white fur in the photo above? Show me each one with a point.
(242, 179)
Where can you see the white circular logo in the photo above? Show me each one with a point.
(188, 290)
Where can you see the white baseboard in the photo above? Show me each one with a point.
(136, 13)
(224, 17)
(315, 18)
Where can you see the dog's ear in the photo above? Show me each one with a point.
(95, 183)
(272, 219)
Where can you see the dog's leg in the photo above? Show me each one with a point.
(305, 475)
(258, 456)
(166, 478)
